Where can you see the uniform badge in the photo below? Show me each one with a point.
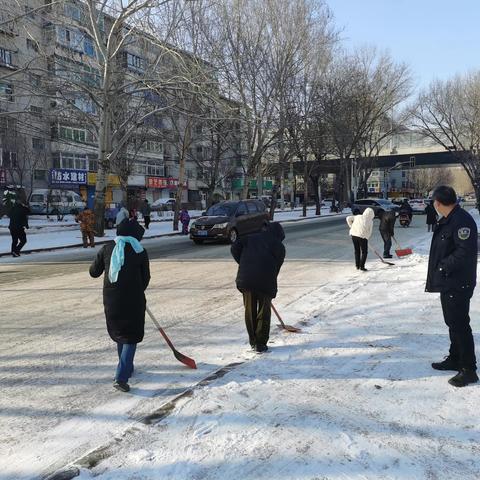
(464, 233)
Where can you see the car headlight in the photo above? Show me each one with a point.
(220, 225)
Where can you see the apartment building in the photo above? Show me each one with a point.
(49, 112)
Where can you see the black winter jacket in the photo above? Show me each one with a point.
(431, 214)
(453, 253)
(260, 257)
(124, 301)
(387, 223)
(18, 216)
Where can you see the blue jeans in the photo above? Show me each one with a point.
(126, 353)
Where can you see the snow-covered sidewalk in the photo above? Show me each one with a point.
(352, 397)
(50, 235)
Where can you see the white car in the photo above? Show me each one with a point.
(418, 205)
(163, 204)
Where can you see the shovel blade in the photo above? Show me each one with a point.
(189, 362)
(290, 328)
(403, 252)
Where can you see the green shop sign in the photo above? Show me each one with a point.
(237, 184)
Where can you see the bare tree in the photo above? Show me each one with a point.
(424, 180)
(449, 113)
(360, 92)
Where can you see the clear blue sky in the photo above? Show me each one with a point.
(437, 38)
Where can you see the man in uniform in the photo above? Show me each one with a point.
(452, 271)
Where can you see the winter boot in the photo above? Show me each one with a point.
(363, 269)
(463, 378)
(447, 364)
(122, 386)
(261, 348)
(387, 255)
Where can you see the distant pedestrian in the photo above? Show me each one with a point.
(121, 215)
(452, 271)
(431, 216)
(361, 227)
(18, 223)
(185, 220)
(260, 257)
(387, 231)
(127, 274)
(146, 211)
(87, 227)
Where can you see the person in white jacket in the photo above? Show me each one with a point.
(361, 227)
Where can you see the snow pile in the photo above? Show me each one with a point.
(354, 396)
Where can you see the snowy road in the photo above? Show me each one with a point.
(57, 363)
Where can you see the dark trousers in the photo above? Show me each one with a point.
(88, 238)
(361, 250)
(19, 238)
(146, 219)
(456, 306)
(258, 312)
(387, 242)
(126, 354)
(185, 227)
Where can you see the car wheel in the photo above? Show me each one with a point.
(197, 241)
(233, 235)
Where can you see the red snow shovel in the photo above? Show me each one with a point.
(402, 252)
(288, 328)
(189, 362)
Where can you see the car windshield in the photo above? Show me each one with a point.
(224, 210)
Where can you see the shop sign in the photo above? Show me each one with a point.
(67, 176)
(113, 180)
(162, 182)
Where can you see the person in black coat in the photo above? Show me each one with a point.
(124, 293)
(431, 216)
(387, 231)
(18, 223)
(452, 271)
(405, 208)
(260, 257)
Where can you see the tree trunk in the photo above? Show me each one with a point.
(315, 186)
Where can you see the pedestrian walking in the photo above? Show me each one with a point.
(17, 225)
(121, 215)
(361, 227)
(127, 274)
(185, 220)
(146, 211)
(87, 227)
(452, 271)
(431, 216)
(387, 231)
(259, 257)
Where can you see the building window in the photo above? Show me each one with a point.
(75, 134)
(153, 146)
(37, 111)
(35, 80)
(6, 57)
(73, 160)
(88, 47)
(73, 12)
(32, 45)
(134, 62)
(38, 143)
(39, 174)
(6, 92)
(9, 159)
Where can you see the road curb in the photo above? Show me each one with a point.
(173, 234)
